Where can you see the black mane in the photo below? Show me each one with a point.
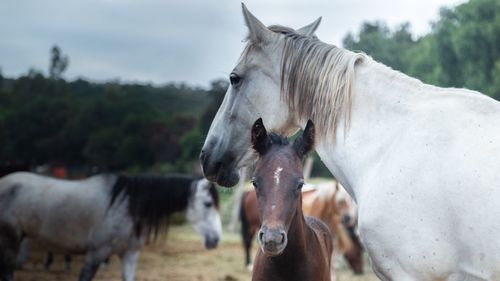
(278, 139)
(152, 199)
(214, 194)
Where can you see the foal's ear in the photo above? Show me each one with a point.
(260, 141)
(257, 31)
(305, 143)
(309, 29)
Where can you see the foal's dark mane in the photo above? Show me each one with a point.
(278, 139)
(153, 199)
(274, 140)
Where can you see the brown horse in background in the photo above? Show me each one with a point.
(349, 211)
(292, 247)
(322, 202)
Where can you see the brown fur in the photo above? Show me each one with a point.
(325, 209)
(293, 248)
(307, 256)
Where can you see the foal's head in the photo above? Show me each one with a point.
(278, 180)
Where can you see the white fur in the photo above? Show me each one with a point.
(206, 221)
(422, 162)
(277, 174)
(75, 217)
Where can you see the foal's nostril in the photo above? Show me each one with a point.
(261, 236)
(282, 238)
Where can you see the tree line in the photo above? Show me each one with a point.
(461, 50)
(113, 126)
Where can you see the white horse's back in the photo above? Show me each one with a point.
(59, 213)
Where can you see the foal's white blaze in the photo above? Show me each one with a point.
(277, 174)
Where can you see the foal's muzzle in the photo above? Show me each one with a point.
(219, 168)
(272, 240)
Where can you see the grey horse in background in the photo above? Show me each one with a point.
(100, 216)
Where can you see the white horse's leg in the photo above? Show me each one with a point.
(23, 253)
(91, 264)
(129, 263)
(387, 270)
(89, 269)
(10, 241)
(67, 260)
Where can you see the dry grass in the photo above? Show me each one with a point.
(180, 258)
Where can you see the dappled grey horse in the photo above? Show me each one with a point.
(100, 216)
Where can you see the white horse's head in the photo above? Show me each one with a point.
(203, 213)
(254, 93)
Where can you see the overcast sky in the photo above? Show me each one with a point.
(160, 41)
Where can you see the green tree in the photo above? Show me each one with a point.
(462, 50)
(217, 91)
(58, 63)
(384, 45)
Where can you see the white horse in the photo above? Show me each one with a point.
(100, 216)
(422, 162)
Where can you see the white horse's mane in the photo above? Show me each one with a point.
(316, 79)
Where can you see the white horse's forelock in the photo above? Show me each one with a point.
(317, 79)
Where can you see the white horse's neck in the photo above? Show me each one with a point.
(382, 107)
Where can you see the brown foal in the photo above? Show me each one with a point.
(292, 247)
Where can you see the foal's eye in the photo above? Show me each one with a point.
(235, 79)
(207, 204)
(300, 185)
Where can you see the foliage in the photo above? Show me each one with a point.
(58, 63)
(462, 50)
(112, 126)
(377, 40)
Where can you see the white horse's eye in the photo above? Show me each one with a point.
(254, 183)
(235, 79)
(208, 204)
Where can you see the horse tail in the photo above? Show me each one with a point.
(245, 229)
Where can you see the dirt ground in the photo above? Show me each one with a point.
(181, 257)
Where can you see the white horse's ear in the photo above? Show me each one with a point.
(258, 32)
(309, 29)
